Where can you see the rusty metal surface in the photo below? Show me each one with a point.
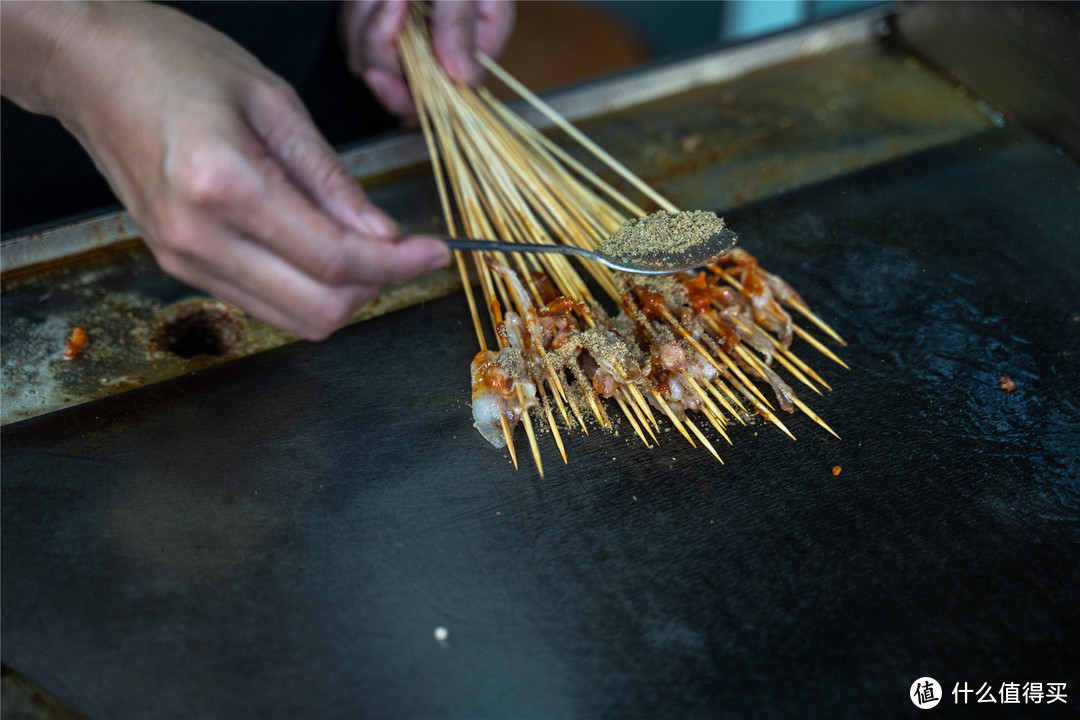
(1021, 57)
(783, 128)
(128, 306)
(715, 147)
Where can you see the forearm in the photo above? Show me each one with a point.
(115, 74)
(39, 41)
(65, 59)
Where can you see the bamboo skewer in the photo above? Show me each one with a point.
(530, 434)
(564, 157)
(573, 132)
(558, 438)
(796, 373)
(643, 405)
(825, 327)
(802, 366)
(631, 402)
(799, 332)
(703, 439)
(499, 177)
(797, 306)
(672, 417)
(552, 424)
(630, 417)
(509, 440)
(711, 387)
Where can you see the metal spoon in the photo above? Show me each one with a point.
(645, 263)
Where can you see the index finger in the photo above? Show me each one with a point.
(283, 219)
(453, 27)
(494, 22)
(286, 131)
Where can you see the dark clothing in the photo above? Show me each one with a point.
(47, 176)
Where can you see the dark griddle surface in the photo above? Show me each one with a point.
(280, 536)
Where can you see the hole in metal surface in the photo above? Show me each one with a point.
(200, 327)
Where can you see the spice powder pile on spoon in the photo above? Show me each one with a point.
(669, 239)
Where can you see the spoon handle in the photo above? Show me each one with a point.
(499, 246)
(516, 247)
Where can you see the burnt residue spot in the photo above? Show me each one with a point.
(200, 327)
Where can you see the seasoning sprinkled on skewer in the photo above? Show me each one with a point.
(712, 342)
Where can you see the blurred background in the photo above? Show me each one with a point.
(597, 37)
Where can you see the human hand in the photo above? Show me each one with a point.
(458, 29)
(215, 158)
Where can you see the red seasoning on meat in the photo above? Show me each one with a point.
(689, 349)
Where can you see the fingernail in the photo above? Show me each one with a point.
(378, 83)
(375, 223)
(464, 69)
(439, 256)
(390, 91)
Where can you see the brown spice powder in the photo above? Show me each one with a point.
(663, 234)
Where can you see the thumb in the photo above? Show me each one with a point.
(402, 258)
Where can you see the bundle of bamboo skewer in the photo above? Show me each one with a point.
(693, 342)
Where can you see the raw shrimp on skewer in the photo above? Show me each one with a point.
(494, 394)
(692, 346)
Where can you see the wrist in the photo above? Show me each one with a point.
(36, 45)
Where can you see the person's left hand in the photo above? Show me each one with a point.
(458, 29)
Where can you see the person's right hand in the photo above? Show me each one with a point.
(459, 28)
(215, 158)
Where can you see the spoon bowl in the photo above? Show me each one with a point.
(645, 262)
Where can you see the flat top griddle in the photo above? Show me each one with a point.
(281, 535)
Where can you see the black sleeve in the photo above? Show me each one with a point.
(47, 176)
